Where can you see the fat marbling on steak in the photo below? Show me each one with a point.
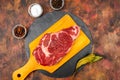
(54, 46)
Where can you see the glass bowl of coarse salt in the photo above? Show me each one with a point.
(35, 10)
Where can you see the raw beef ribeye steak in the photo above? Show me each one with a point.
(54, 46)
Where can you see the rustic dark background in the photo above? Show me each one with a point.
(102, 18)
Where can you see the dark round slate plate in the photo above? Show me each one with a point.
(44, 22)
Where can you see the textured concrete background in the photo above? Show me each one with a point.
(102, 18)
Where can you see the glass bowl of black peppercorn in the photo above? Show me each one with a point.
(56, 4)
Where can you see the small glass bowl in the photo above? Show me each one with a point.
(19, 31)
(39, 13)
(56, 8)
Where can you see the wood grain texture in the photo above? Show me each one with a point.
(102, 18)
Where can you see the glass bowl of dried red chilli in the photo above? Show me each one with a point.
(19, 31)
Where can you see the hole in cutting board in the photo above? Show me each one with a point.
(18, 75)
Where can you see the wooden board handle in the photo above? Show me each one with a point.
(23, 72)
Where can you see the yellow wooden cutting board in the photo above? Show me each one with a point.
(81, 42)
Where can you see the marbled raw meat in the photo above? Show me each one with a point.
(54, 46)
